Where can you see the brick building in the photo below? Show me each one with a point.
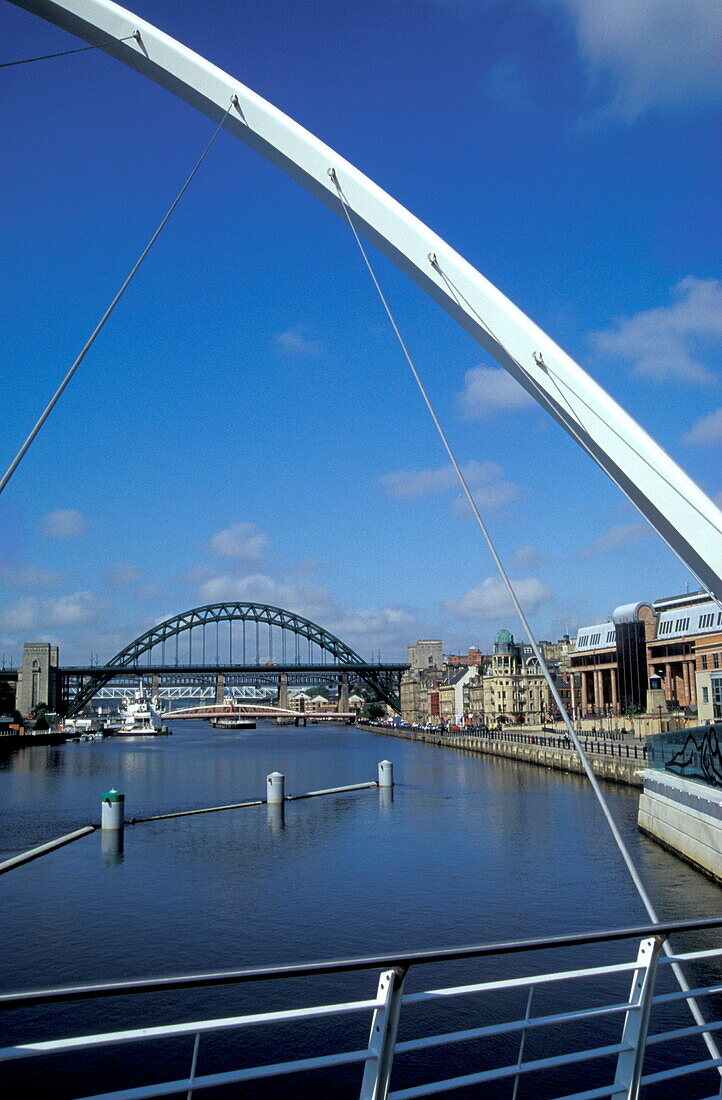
(677, 639)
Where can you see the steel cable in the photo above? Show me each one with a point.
(594, 782)
(66, 53)
(101, 324)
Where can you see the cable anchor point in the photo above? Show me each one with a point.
(432, 259)
(539, 359)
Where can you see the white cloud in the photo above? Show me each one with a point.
(527, 557)
(22, 615)
(359, 628)
(301, 596)
(649, 53)
(294, 342)
(705, 431)
(32, 613)
(485, 479)
(308, 567)
(123, 575)
(490, 600)
(242, 541)
(80, 607)
(27, 576)
(386, 627)
(623, 534)
(663, 343)
(490, 390)
(64, 523)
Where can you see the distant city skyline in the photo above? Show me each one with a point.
(246, 428)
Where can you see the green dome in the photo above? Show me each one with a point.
(504, 638)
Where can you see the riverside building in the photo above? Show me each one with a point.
(673, 645)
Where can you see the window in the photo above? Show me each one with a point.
(610, 637)
(681, 624)
(705, 621)
(715, 660)
(665, 628)
(704, 660)
(705, 695)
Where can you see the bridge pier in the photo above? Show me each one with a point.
(283, 691)
(343, 693)
(220, 688)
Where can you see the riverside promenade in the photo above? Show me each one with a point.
(614, 762)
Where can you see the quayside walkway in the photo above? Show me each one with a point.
(617, 762)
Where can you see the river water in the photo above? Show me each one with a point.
(471, 849)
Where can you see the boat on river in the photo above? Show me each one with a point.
(139, 717)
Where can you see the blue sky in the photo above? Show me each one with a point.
(246, 427)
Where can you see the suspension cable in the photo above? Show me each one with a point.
(576, 422)
(101, 323)
(461, 297)
(65, 53)
(594, 782)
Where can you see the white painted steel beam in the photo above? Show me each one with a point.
(675, 506)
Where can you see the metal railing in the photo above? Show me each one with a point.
(573, 1030)
(593, 746)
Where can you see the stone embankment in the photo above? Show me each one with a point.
(617, 764)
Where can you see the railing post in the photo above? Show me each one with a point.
(382, 1040)
(194, 1064)
(636, 1022)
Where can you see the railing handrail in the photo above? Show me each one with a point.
(401, 962)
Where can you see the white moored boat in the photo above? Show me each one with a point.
(139, 717)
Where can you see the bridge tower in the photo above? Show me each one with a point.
(283, 690)
(37, 677)
(220, 688)
(343, 693)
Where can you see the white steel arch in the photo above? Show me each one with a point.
(675, 506)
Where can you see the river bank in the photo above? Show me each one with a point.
(613, 767)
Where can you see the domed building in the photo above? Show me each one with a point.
(512, 689)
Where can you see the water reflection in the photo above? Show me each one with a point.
(276, 814)
(111, 846)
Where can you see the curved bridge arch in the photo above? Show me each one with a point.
(232, 611)
(679, 511)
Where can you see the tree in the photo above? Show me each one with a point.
(39, 714)
(7, 697)
(373, 710)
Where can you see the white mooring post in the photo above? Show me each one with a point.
(113, 810)
(386, 773)
(275, 788)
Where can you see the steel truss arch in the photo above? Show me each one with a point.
(233, 611)
(673, 504)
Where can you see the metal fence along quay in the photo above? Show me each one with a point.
(596, 746)
(592, 1026)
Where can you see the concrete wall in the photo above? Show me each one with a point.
(613, 769)
(684, 816)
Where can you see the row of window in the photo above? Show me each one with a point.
(715, 660)
(679, 626)
(589, 639)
